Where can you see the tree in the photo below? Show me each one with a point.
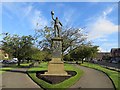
(72, 38)
(106, 57)
(1, 55)
(67, 57)
(40, 54)
(84, 51)
(17, 46)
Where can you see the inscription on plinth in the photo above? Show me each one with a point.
(56, 66)
(56, 47)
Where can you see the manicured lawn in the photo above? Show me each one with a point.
(5, 69)
(65, 84)
(114, 75)
(24, 65)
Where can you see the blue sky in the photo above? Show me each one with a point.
(99, 18)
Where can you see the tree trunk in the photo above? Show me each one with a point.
(19, 62)
(27, 61)
(82, 61)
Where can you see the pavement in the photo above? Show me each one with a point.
(114, 65)
(93, 79)
(17, 78)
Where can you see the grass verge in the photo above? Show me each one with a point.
(113, 75)
(23, 65)
(65, 84)
(5, 69)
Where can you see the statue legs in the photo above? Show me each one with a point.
(57, 31)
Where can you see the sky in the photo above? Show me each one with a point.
(100, 19)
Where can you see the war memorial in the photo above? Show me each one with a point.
(56, 66)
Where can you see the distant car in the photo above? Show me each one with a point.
(94, 61)
(114, 61)
(13, 61)
(15, 58)
(1, 61)
(6, 62)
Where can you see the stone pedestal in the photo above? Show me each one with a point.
(56, 66)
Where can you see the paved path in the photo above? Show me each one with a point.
(93, 79)
(17, 78)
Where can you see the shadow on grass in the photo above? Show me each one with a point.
(18, 71)
(16, 66)
(32, 71)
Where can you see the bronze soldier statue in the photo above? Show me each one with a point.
(56, 25)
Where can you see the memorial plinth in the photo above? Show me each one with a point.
(56, 66)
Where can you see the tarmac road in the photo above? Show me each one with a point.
(93, 79)
(17, 78)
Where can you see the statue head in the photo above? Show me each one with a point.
(56, 17)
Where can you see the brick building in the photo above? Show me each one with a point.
(115, 52)
(100, 55)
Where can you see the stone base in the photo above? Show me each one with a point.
(56, 67)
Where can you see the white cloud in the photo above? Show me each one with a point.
(103, 39)
(68, 17)
(109, 44)
(107, 11)
(0, 21)
(20, 10)
(102, 26)
(35, 17)
(25, 12)
(102, 50)
(106, 47)
(38, 20)
(59, 1)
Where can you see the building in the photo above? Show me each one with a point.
(115, 52)
(3, 55)
(100, 55)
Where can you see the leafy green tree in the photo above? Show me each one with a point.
(84, 51)
(67, 57)
(40, 54)
(16, 46)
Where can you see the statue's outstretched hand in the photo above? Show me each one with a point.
(52, 12)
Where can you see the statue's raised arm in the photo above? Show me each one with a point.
(52, 13)
(56, 25)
